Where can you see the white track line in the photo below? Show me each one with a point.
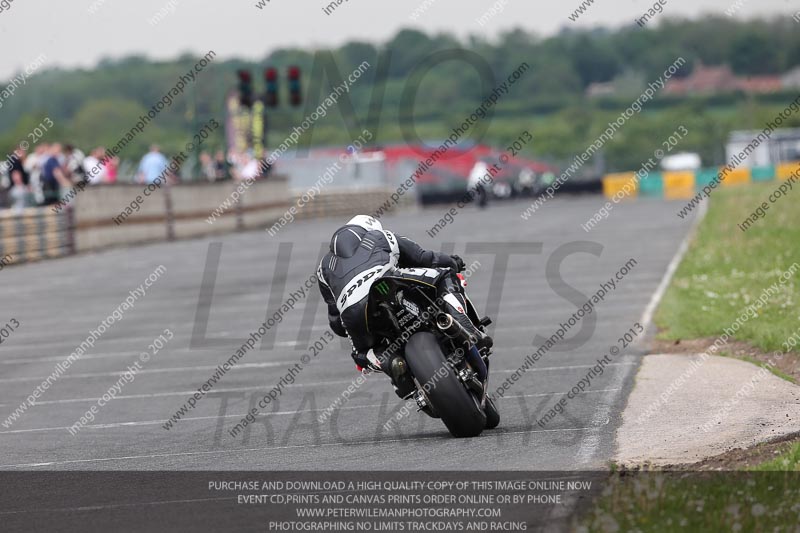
(59, 345)
(116, 373)
(295, 446)
(244, 366)
(60, 358)
(572, 367)
(647, 316)
(112, 425)
(104, 355)
(591, 442)
(263, 388)
(159, 395)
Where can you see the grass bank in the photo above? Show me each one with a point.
(697, 501)
(727, 269)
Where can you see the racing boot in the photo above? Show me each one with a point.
(395, 366)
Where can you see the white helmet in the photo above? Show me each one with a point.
(367, 222)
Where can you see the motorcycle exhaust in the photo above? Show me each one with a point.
(444, 322)
(448, 325)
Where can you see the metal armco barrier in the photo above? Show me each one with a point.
(35, 233)
(350, 203)
(173, 213)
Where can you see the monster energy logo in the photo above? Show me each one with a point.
(382, 287)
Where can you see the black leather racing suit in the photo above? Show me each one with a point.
(360, 255)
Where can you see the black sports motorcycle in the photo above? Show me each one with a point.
(407, 318)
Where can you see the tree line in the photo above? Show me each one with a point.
(92, 107)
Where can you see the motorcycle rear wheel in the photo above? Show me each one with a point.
(457, 407)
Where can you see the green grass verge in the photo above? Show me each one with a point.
(726, 270)
(696, 501)
(764, 498)
(788, 461)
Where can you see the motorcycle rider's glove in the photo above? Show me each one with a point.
(453, 262)
(460, 264)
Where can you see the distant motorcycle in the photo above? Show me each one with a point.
(406, 316)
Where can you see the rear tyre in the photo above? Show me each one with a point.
(457, 407)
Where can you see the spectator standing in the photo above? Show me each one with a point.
(222, 169)
(33, 165)
(112, 167)
(152, 166)
(17, 173)
(54, 176)
(73, 163)
(19, 186)
(93, 168)
(249, 167)
(207, 167)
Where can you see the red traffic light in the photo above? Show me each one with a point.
(271, 96)
(295, 93)
(245, 88)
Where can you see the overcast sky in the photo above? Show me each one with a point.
(69, 35)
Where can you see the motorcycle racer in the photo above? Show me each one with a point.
(360, 253)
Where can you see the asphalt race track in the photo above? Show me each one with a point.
(58, 302)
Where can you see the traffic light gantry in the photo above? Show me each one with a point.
(271, 97)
